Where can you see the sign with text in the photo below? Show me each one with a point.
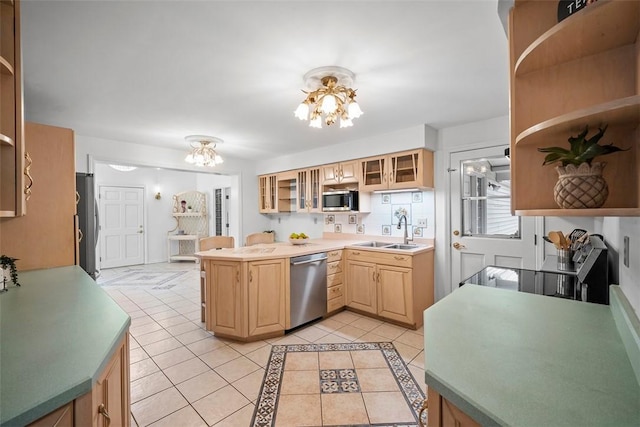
(567, 8)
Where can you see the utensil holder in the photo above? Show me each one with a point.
(565, 260)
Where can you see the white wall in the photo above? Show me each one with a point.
(91, 149)
(157, 213)
(405, 139)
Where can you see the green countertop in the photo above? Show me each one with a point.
(518, 359)
(57, 331)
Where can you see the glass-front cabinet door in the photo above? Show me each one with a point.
(268, 188)
(302, 184)
(309, 190)
(406, 168)
(374, 175)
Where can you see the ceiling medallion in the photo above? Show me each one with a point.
(330, 96)
(203, 151)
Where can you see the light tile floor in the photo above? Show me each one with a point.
(182, 375)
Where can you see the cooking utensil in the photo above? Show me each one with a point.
(555, 239)
(564, 243)
(576, 234)
(546, 239)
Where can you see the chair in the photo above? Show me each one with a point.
(206, 243)
(256, 238)
(216, 242)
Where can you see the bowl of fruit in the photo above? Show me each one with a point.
(298, 238)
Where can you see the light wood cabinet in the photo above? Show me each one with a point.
(335, 281)
(224, 296)
(268, 193)
(246, 300)
(566, 75)
(443, 413)
(409, 169)
(309, 190)
(266, 297)
(392, 286)
(340, 173)
(46, 237)
(14, 184)
(106, 405)
(395, 293)
(361, 286)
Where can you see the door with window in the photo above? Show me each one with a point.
(483, 231)
(121, 226)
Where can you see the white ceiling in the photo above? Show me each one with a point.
(154, 71)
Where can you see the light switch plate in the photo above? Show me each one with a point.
(422, 222)
(625, 251)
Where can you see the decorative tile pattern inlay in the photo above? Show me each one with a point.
(339, 381)
(333, 380)
(155, 279)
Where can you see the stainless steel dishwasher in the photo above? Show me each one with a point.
(308, 288)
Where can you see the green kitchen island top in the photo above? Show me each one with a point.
(57, 331)
(517, 359)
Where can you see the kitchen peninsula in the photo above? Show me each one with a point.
(246, 291)
(65, 352)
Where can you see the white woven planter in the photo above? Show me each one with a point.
(581, 187)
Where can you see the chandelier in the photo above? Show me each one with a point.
(203, 151)
(329, 97)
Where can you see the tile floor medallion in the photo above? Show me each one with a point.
(364, 383)
(144, 277)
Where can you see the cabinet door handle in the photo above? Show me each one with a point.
(399, 258)
(374, 276)
(250, 276)
(27, 173)
(355, 253)
(238, 276)
(103, 411)
(333, 253)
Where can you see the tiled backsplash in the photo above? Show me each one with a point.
(383, 219)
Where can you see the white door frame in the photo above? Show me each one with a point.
(144, 221)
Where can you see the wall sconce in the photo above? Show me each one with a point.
(158, 197)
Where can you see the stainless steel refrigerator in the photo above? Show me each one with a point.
(88, 222)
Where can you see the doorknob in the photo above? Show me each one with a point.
(459, 246)
(456, 233)
(140, 231)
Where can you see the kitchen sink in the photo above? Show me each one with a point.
(373, 244)
(403, 247)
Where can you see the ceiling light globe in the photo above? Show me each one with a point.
(189, 158)
(302, 112)
(345, 123)
(354, 110)
(329, 104)
(316, 123)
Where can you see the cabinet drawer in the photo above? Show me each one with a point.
(387, 258)
(334, 279)
(335, 304)
(334, 267)
(334, 255)
(335, 292)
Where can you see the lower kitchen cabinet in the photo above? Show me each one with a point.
(266, 296)
(245, 300)
(395, 293)
(335, 281)
(391, 286)
(106, 405)
(443, 413)
(223, 298)
(361, 286)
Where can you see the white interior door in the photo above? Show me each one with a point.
(122, 227)
(483, 231)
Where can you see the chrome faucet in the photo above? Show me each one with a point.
(406, 235)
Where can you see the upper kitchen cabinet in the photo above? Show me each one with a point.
(13, 192)
(340, 173)
(582, 71)
(410, 169)
(268, 189)
(48, 236)
(309, 190)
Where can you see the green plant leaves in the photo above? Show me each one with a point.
(581, 149)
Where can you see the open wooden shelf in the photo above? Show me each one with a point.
(602, 26)
(580, 212)
(625, 111)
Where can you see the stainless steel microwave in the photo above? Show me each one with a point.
(340, 201)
